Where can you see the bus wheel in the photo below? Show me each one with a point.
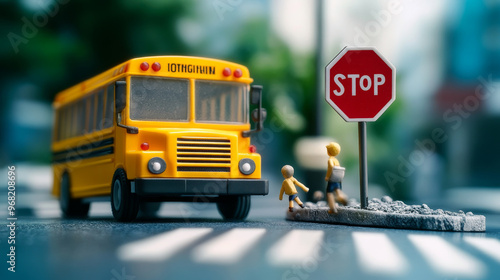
(234, 207)
(71, 208)
(124, 203)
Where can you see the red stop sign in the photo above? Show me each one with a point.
(360, 84)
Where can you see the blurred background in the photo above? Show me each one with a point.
(437, 142)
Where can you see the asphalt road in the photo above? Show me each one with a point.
(190, 241)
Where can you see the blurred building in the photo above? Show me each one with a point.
(468, 102)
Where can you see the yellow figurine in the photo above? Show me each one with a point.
(288, 187)
(334, 177)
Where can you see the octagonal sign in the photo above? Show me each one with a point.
(360, 84)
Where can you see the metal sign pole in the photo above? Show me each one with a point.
(363, 170)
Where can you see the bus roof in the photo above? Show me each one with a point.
(160, 66)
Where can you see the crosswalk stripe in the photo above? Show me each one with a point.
(489, 246)
(162, 246)
(377, 254)
(445, 258)
(229, 247)
(50, 209)
(295, 247)
(47, 209)
(100, 209)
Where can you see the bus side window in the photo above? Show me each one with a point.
(80, 118)
(64, 120)
(60, 123)
(110, 106)
(55, 131)
(100, 109)
(91, 113)
(74, 118)
(67, 121)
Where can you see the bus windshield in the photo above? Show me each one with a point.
(167, 99)
(159, 99)
(220, 101)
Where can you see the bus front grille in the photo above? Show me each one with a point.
(196, 154)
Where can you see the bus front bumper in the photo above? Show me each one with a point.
(199, 187)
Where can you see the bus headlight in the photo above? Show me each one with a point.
(156, 165)
(247, 166)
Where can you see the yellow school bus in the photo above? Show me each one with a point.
(162, 128)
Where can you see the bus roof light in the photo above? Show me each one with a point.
(156, 66)
(238, 73)
(144, 66)
(226, 72)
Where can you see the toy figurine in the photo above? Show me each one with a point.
(334, 177)
(288, 187)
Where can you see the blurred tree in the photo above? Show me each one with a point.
(55, 44)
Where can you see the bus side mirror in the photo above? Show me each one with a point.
(255, 95)
(120, 102)
(259, 114)
(120, 95)
(255, 115)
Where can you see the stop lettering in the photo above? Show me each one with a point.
(365, 83)
(360, 84)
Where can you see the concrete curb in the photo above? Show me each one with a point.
(373, 218)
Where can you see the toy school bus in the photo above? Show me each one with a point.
(153, 129)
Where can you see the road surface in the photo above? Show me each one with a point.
(191, 241)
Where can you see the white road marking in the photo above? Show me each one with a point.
(37, 178)
(378, 255)
(50, 209)
(229, 247)
(445, 258)
(489, 246)
(101, 208)
(296, 247)
(162, 246)
(47, 209)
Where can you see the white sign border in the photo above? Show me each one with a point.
(327, 85)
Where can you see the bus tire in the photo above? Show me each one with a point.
(234, 207)
(124, 203)
(71, 208)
